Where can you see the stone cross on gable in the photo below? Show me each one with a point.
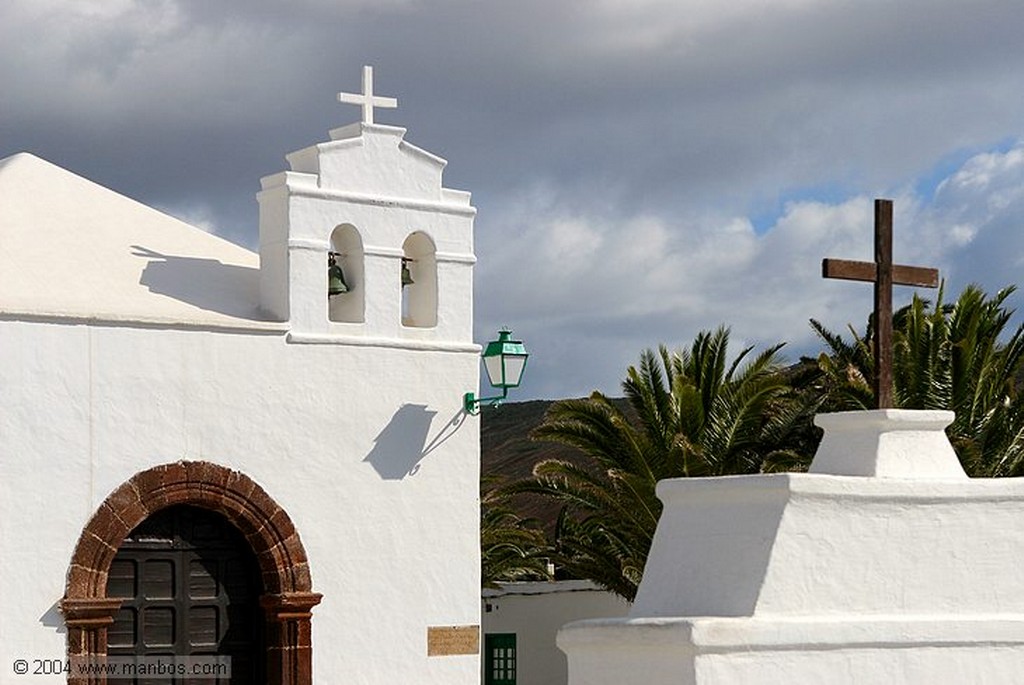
(884, 274)
(367, 100)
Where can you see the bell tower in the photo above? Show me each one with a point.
(361, 243)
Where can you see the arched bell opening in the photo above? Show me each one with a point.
(419, 281)
(346, 291)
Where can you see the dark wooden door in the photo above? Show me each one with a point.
(191, 586)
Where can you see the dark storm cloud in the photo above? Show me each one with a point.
(616, 149)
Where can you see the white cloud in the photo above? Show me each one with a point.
(647, 280)
(994, 177)
(981, 207)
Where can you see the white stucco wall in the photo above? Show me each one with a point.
(534, 612)
(391, 531)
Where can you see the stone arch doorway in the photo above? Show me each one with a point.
(283, 567)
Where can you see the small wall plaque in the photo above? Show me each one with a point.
(453, 640)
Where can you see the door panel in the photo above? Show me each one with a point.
(191, 586)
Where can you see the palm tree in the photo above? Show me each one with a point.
(511, 548)
(947, 356)
(690, 413)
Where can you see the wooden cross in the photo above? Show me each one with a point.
(367, 100)
(884, 274)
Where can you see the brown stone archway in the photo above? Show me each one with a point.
(289, 598)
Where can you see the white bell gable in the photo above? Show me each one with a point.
(379, 202)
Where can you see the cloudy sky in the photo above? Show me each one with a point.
(642, 169)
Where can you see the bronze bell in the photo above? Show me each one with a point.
(406, 274)
(335, 278)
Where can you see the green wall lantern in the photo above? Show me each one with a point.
(504, 361)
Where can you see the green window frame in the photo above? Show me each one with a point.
(500, 659)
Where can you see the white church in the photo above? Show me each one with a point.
(212, 452)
